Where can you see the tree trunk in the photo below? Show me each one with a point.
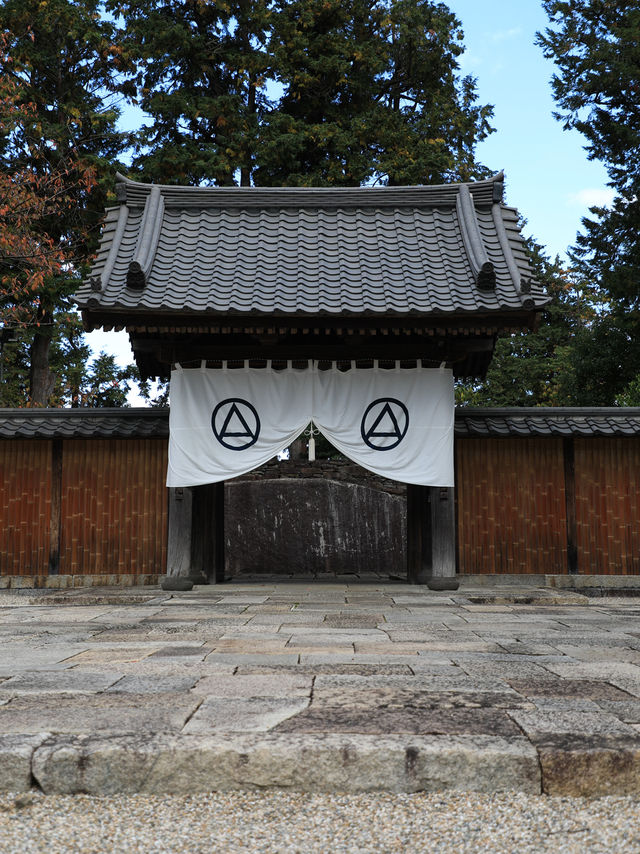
(41, 378)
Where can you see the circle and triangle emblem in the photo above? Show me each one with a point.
(236, 424)
(384, 424)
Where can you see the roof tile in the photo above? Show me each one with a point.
(469, 422)
(301, 251)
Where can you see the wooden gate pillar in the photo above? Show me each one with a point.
(179, 531)
(419, 531)
(431, 542)
(443, 521)
(195, 547)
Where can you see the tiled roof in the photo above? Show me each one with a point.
(84, 423)
(548, 421)
(400, 251)
(469, 422)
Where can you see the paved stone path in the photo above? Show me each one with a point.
(319, 687)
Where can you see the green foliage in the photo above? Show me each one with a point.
(605, 359)
(200, 77)
(534, 368)
(630, 395)
(596, 48)
(61, 59)
(65, 60)
(301, 92)
(80, 378)
(155, 394)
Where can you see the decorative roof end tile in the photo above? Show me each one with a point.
(150, 228)
(486, 279)
(481, 267)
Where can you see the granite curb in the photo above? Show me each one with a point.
(184, 765)
(311, 763)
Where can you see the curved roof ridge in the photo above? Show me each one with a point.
(135, 193)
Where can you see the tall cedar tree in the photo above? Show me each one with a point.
(371, 92)
(596, 47)
(62, 58)
(201, 79)
(295, 92)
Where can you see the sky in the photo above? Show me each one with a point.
(548, 175)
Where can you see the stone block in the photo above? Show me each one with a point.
(255, 685)
(326, 669)
(626, 710)
(175, 582)
(243, 714)
(98, 713)
(195, 650)
(157, 684)
(416, 719)
(443, 583)
(591, 689)
(237, 659)
(23, 582)
(538, 725)
(251, 644)
(16, 752)
(584, 767)
(355, 763)
(66, 681)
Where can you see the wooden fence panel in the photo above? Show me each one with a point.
(511, 506)
(608, 505)
(25, 506)
(114, 506)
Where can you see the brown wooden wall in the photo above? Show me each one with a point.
(25, 506)
(83, 506)
(608, 506)
(511, 506)
(519, 511)
(99, 506)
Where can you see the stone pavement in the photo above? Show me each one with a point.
(319, 687)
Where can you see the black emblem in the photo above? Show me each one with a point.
(384, 424)
(236, 424)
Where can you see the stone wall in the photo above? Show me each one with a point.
(341, 470)
(326, 517)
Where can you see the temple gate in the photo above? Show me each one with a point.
(354, 307)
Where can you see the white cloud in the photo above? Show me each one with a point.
(506, 35)
(591, 197)
(469, 62)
